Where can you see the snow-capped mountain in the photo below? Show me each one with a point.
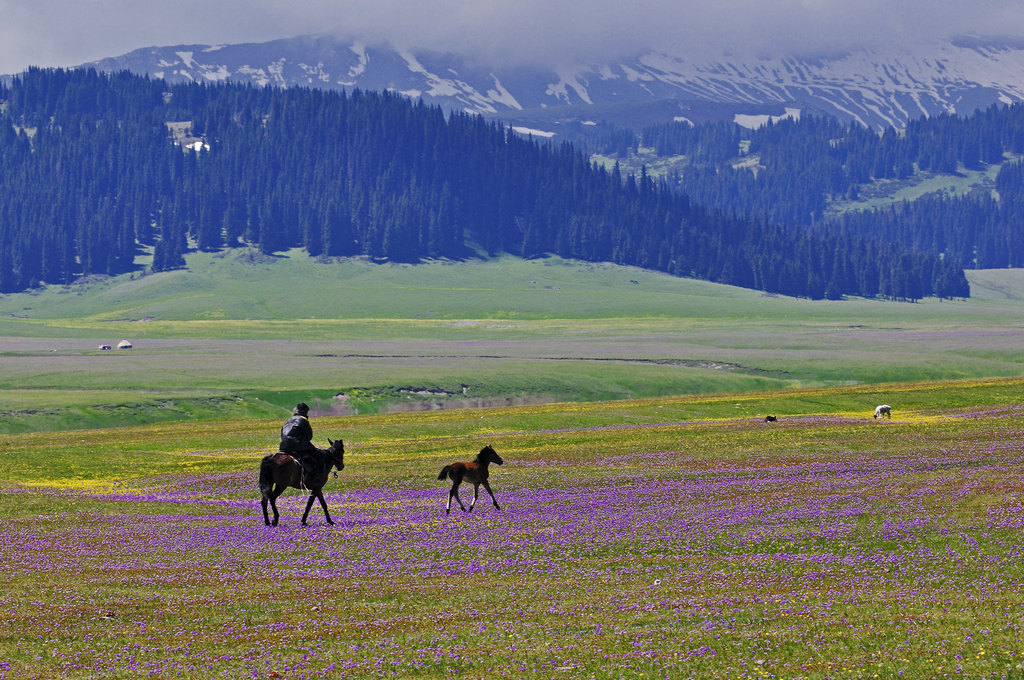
(875, 88)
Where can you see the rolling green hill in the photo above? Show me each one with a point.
(240, 334)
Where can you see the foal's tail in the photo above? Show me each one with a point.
(266, 476)
(444, 472)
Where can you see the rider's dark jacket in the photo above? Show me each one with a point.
(297, 435)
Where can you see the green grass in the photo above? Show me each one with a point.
(236, 295)
(67, 458)
(236, 335)
(997, 284)
(678, 537)
(884, 193)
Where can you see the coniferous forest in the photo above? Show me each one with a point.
(794, 170)
(93, 167)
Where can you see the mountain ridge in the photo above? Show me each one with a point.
(876, 88)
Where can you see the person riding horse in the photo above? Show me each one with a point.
(297, 438)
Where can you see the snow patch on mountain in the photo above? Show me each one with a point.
(437, 87)
(752, 122)
(359, 68)
(218, 73)
(276, 70)
(256, 75)
(569, 79)
(530, 132)
(632, 75)
(499, 95)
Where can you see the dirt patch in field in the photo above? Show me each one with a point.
(481, 402)
(687, 363)
(403, 400)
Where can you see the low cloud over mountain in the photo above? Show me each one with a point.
(561, 32)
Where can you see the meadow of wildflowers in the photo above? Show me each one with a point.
(637, 539)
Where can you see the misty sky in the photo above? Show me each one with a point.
(70, 32)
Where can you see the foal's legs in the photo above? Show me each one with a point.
(476, 494)
(454, 493)
(487, 488)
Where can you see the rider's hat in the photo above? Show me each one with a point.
(301, 409)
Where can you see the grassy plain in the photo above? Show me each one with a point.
(236, 335)
(665, 531)
(668, 537)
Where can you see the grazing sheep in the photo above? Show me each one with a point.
(770, 419)
(883, 410)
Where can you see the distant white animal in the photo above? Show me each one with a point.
(883, 410)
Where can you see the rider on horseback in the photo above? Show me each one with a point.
(297, 438)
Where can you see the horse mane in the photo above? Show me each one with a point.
(480, 456)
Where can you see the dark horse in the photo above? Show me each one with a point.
(279, 471)
(475, 472)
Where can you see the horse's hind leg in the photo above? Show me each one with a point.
(266, 517)
(454, 493)
(273, 504)
(487, 488)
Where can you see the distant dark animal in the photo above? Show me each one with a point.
(883, 410)
(770, 419)
(475, 472)
(279, 471)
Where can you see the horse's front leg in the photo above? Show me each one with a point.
(309, 504)
(487, 488)
(476, 495)
(323, 504)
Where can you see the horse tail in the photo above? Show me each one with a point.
(266, 476)
(444, 472)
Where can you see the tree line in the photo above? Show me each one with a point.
(89, 173)
(790, 172)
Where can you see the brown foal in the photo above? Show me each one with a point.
(475, 472)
